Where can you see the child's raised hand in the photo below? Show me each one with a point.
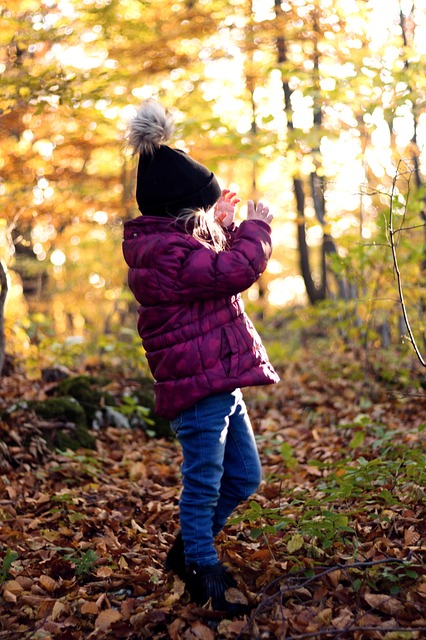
(224, 210)
(258, 212)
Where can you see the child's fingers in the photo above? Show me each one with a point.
(258, 212)
(232, 197)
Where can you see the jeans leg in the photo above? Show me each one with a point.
(242, 470)
(202, 432)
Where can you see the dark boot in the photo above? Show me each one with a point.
(212, 582)
(175, 559)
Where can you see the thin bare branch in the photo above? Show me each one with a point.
(415, 226)
(392, 234)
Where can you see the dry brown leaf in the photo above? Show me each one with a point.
(137, 620)
(145, 618)
(199, 630)
(343, 620)
(421, 590)
(104, 572)
(230, 628)
(175, 629)
(335, 577)
(13, 586)
(137, 527)
(48, 583)
(369, 620)
(102, 598)
(326, 615)
(235, 596)
(59, 608)
(177, 592)
(34, 601)
(25, 582)
(384, 603)
(260, 554)
(137, 471)
(127, 607)
(8, 596)
(106, 618)
(91, 608)
(411, 536)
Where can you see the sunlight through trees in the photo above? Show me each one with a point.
(311, 105)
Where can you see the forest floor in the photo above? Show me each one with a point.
(331, 546)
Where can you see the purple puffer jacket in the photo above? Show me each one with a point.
(197, 338)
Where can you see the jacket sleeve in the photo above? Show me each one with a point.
(207, 274)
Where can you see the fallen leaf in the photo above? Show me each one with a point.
(335, 577)
(175, 629)
(137, 471)
(13, 586)
(48, 583)
(177, 592)
(59, 608)
(230, 628)
(261, 554)
(127, 607)
(343, 620)
(384, 603)
(235, 596)
(326, 615)
(91, 608)
(200, 630)
(106, 618)
(104, 572)
(411, 536)
(8, 596)
(369, 620)
(295, 543)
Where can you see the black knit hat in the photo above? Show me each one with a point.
(168, 179)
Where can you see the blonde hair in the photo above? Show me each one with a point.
(204, 227)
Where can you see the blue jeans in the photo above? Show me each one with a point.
(220, 468)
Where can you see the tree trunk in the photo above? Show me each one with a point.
(3, 294)
(315, 292)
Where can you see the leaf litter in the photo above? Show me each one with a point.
(331, 545)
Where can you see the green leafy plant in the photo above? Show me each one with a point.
(135, 412)
(84, 562)
(6, 564)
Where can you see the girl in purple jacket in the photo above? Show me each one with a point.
(188, 264)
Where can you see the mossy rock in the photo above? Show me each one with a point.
(66, 409)
(87, 391)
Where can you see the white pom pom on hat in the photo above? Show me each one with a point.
(151, 127)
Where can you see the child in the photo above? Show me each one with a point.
(188, 263)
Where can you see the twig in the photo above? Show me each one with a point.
(342, 567)
(336, 632)
(415, 226)
(392, 234)
(47, 425)
(406, 394)
(307, 581)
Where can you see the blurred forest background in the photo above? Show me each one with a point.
(316, 106)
